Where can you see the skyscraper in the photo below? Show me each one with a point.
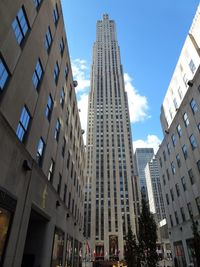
(111, 199)
(142, 157)
(155, 197)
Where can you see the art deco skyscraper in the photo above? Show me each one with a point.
(111, 199)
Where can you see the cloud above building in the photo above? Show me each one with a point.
(138, 104)
(152, 141)
(80, 70)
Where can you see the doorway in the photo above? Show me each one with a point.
(35, 239)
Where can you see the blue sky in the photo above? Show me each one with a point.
(150, 34)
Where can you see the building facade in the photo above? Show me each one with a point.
(41, 147)
(179, 157)
(186, 67)
(155, 197)
(112, 198)
(142, 157)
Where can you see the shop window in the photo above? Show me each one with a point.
(58, 245)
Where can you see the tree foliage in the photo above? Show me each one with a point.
(147, 236)
(131, 249)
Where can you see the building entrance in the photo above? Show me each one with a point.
(35, 238)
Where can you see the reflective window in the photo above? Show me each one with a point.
(48, 39)
(40, 151)
(193, 141)
(57, 130)
(49, 107)
(37, 75)
(193, 106)
(51, 170)
(185, 119)
(23, 124)
(56, 72)
(20, 25)
(3, 75)
(55, 14)
(179, 130)
(62, 97)
(37, 3)
(62, 46)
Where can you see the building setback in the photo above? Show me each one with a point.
(41, 146)
(111, 199)
(179, 153)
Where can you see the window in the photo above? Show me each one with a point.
(55, 14)
(179, 130)
(178, 159)
(51, 171)
(167, 199)
(192, 66)
(37, 75)
(48, 39)
(193, 106)
(57, 130)
(62, 97)
(180, 93)
(4, 75)
(168, 149)
(62, 46)
(23, 124)
(164, 182)
(173, 168)
(171, 220)
(168, 176)
(176, 217)
(182, 214)
(193, 142)
(20, 25)
(183, 183)
(173, 140)
(59, 184)
(63, 147)
(40, 152)
(56, 72)
(66, 71)
(37, 3)
(49, 108)
(65, 193)
(190, 209)
(185, 119)
(185, 153)
(198, 165)
(191, 176)
(198, 203)
(164, 155)
(172, 194)
(177, 190)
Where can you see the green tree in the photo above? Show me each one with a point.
(147, 236)
(196, 241)
(131, 249)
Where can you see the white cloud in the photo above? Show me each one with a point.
(80, 72)
(83, 106)
(151, 141)
(138, 104)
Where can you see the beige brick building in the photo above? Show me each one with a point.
(41, 145)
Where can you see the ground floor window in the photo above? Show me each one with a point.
(5, 221)
(58, 245)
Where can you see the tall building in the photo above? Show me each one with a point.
(41, 145)
(179, 155)
(185, 69)
(155, 197)
(142, 157)
(111, 199)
